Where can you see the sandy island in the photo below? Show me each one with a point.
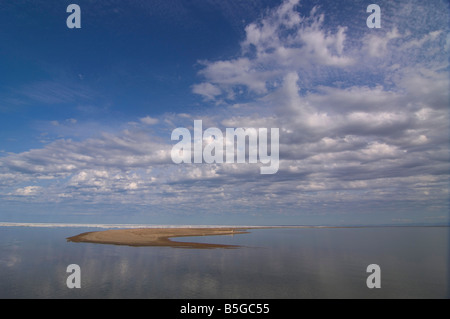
(160, 237)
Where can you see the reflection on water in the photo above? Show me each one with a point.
(272, 263)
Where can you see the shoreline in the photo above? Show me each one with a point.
(156, 237)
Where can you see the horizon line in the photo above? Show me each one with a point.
(115, 225)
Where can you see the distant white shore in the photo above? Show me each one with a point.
(112, 226)
(51, 225)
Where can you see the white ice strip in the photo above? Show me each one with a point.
(51, 225)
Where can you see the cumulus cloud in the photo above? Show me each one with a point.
(283, 40)
(377, 46)
(148, 120)
(208, 90)
(27, 191)
(123, 151)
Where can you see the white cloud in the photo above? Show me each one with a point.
(27, 191)
(148, 120)
(281, 42)
(208, 90)
(377, 46)
(431, 36)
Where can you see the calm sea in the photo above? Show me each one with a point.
(272, 263)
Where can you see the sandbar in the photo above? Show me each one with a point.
(159, 237)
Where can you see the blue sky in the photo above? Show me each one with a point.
(86, 114)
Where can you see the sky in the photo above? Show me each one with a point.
(86, 114)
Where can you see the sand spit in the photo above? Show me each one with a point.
(160, 237)
(155, 236)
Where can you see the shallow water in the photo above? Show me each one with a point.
(271, 263)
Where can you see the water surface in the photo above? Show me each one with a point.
(271, 263)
